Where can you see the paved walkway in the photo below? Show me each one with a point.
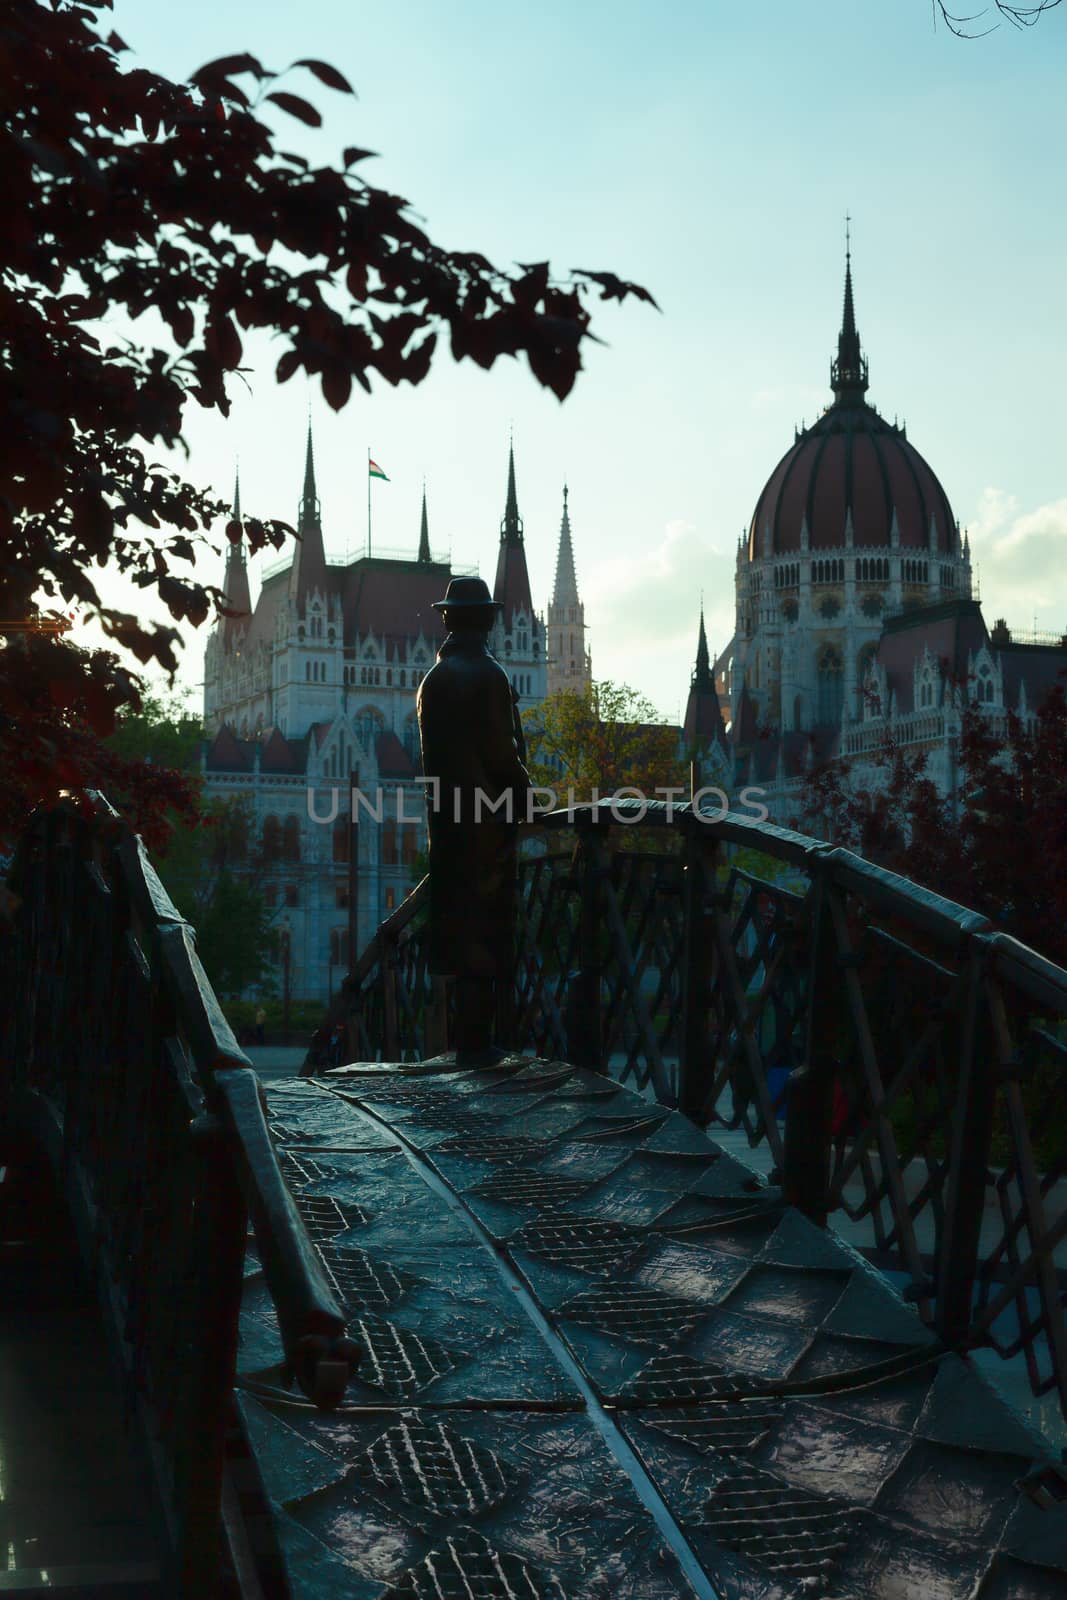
(601, 1358)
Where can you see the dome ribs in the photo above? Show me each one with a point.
(851, 459)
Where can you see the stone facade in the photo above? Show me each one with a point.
(315, 687)
(855, 609)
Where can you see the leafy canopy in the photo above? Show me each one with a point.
(606, 738)
(1005, 852)
(126, 193)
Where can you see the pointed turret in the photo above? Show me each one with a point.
(235, 582)
(308, 571)
(702, 671)
(512, 586)
(848, 374)
(424, 533)
(511, 525)
(569, 663)
(704, 724)
(565, 592)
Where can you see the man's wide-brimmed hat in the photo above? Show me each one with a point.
(467, 594)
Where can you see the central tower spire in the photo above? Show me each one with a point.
(511, 526)
(235, 582)
(309, 500)
(848, 374)
(424, 532)
(308, 571)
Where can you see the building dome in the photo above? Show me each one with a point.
(852, 459)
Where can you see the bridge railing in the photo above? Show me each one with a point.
(903, 1062)
(121, 1066)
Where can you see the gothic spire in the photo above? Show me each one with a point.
(235, 582)
(424, 532)
(512, 586)
(511, 526)
(308, 571)
(309, 500)
(848, 374)
(565, 592)
(703, 725)
(702, 681)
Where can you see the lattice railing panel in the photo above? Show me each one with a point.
(903, 1066)
(1021, 1292)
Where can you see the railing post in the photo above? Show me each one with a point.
(437, 1018)
(387, 965)
(221, 1222)
(701, 855)
(809, 1108)
(585, 1041)
(968, 1163)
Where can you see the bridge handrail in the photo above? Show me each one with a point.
(917, 1052)
(178, 1085)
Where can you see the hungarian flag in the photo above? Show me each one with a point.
(375, 470)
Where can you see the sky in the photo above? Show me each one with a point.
(708, 149)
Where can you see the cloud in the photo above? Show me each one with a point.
(644, 611)
(1020, 560)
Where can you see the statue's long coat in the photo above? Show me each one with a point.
(472, 742)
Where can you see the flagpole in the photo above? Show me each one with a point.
(368, 499)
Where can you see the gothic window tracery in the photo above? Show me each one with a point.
(830, 685)
(291, 839)
(369, 723)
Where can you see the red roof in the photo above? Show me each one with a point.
(227, 753)
(703, 723)
(951, 632)
(393, 759)
(512, 586)
(392, 599)
(852, 459)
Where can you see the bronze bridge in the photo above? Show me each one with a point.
(534, 1331)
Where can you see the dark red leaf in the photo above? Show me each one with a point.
(287, 365)
(327, 75)
(297, 108)
(352, 154)
(212, 71)
(356, 280)
(337, 386)
(115, 43)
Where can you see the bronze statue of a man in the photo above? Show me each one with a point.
(473, 747)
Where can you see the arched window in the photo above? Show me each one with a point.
(985, 683)
(411, 736)
(864, 664)
(291, 839)
(369, 723)
(339, 947)
(341, 835)
(272, 839)
(830, 686)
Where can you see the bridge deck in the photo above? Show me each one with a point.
(602, 1359)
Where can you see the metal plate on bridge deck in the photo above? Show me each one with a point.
(601, 1359)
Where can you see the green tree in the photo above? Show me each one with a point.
(207, 860)
(606, 738)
